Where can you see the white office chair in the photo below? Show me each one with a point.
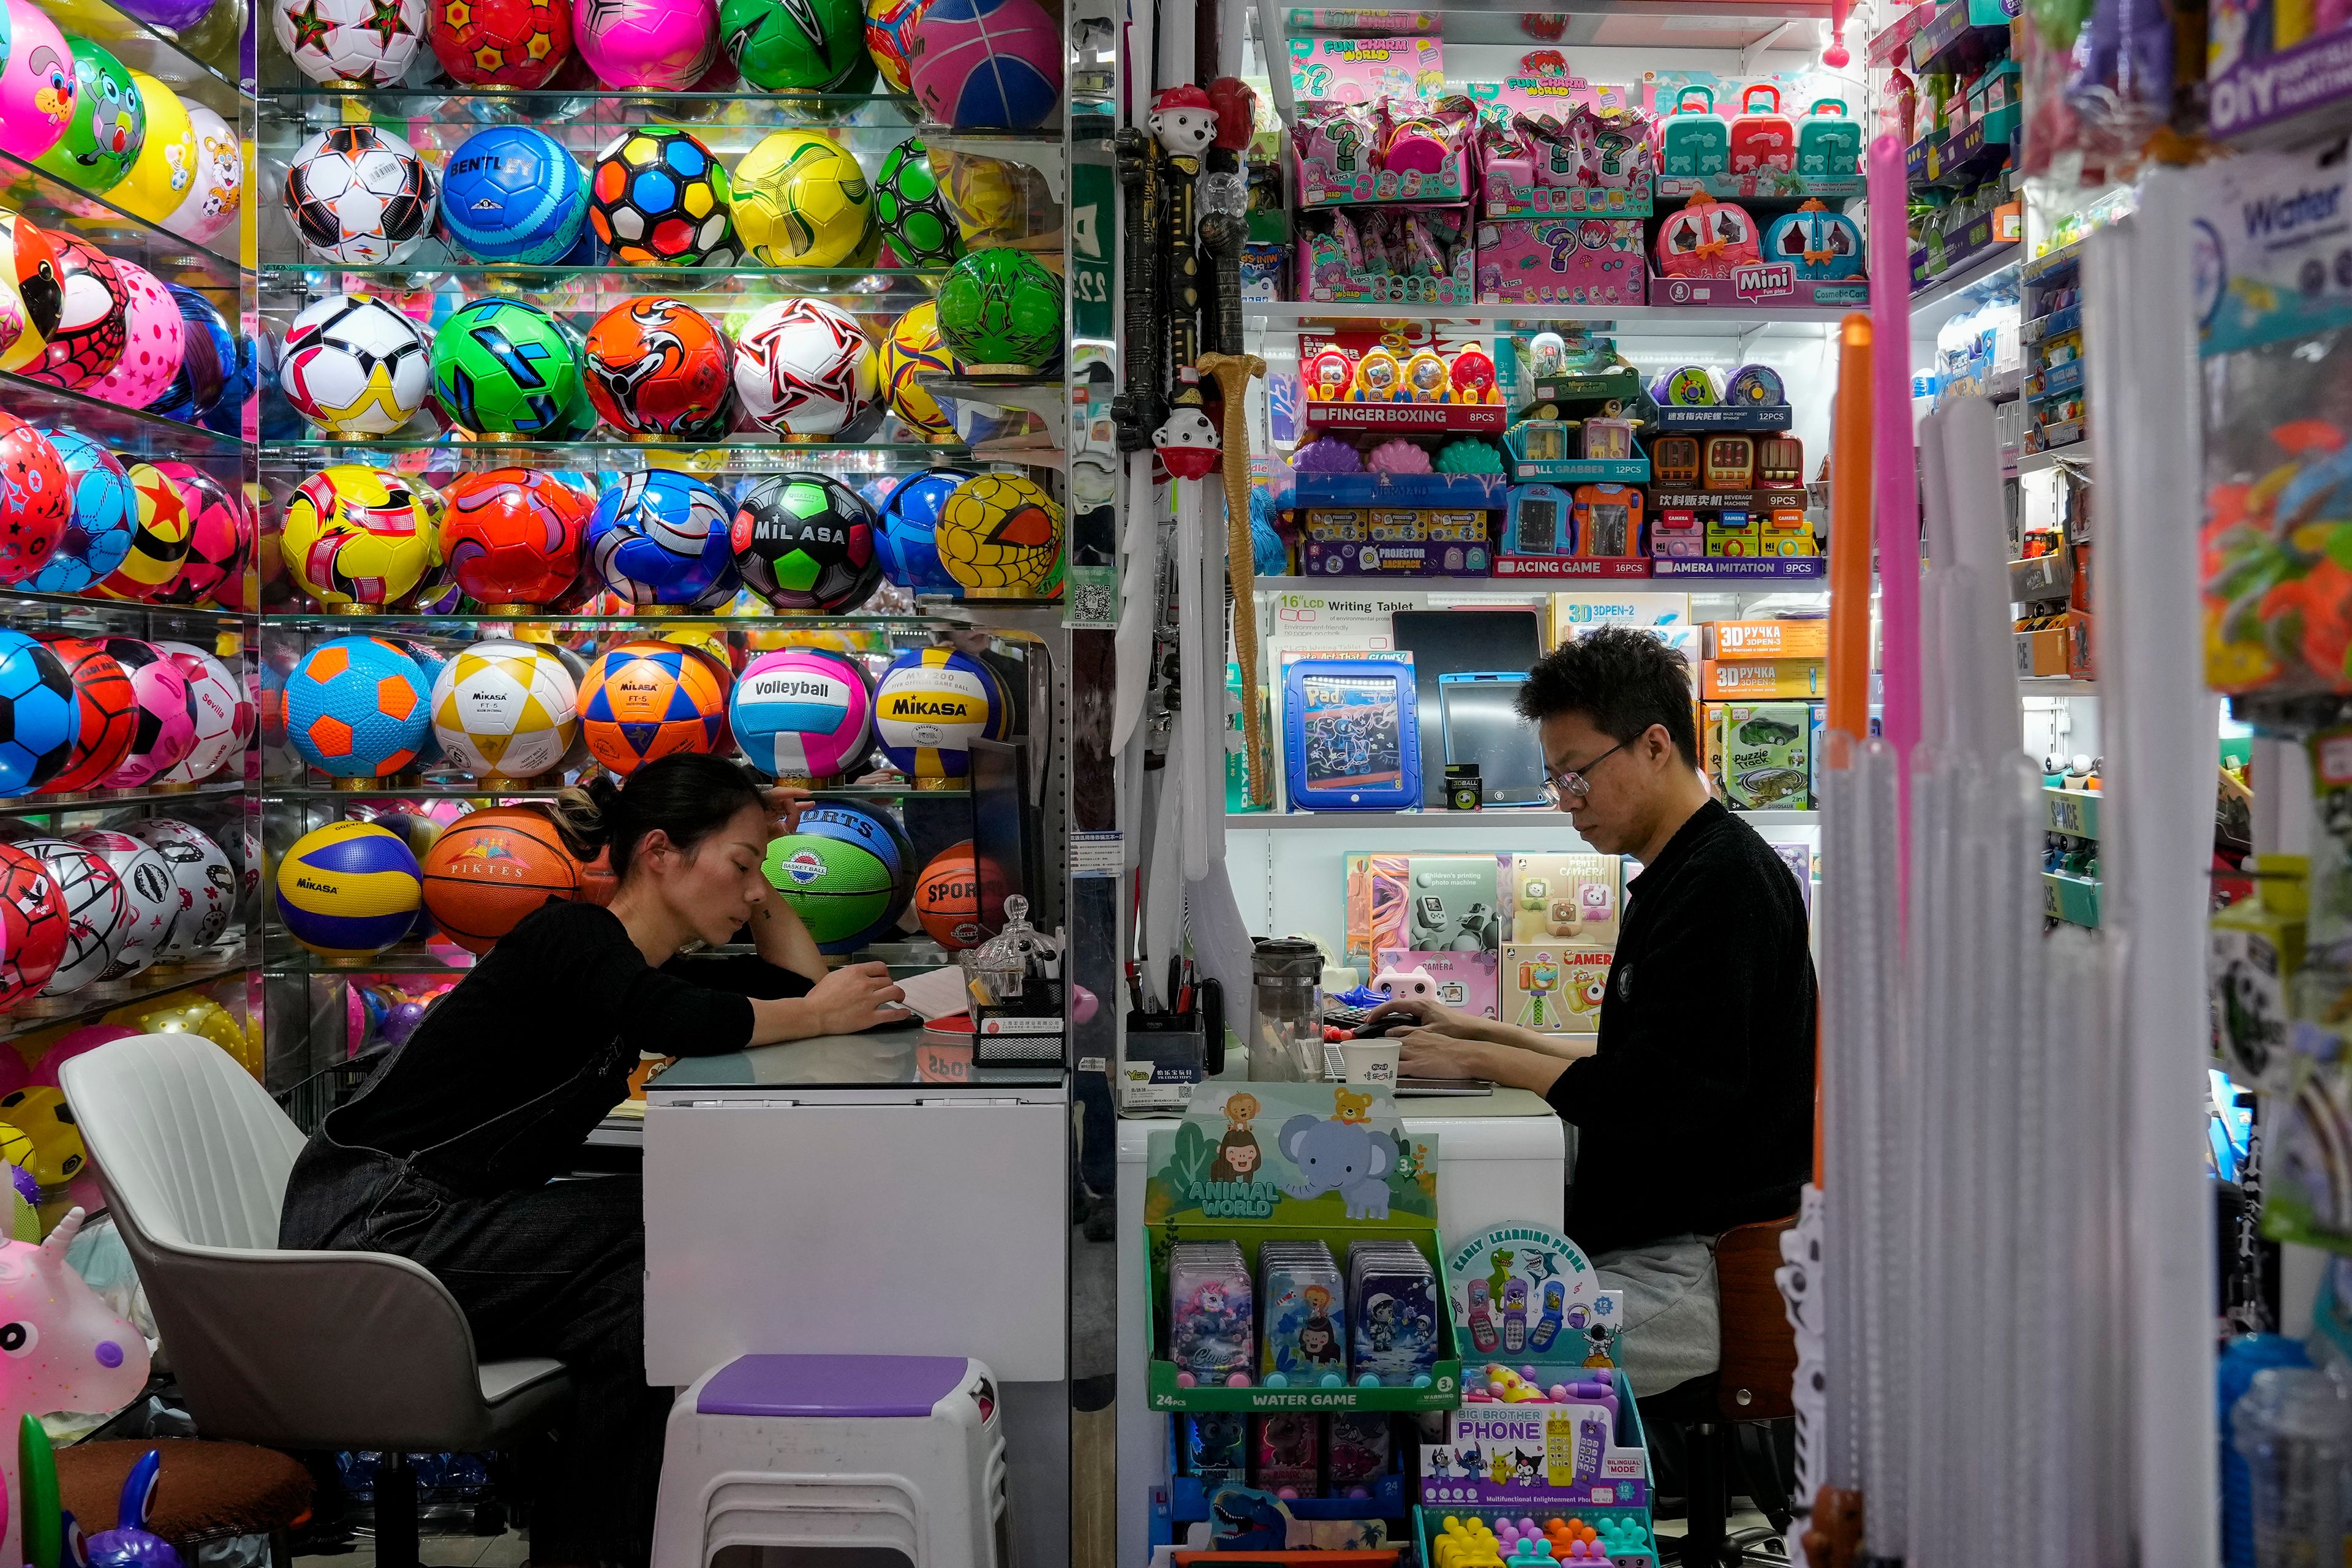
(289, 1350)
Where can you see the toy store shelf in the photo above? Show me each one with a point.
(1956, 161)
(31, 612)
(2073, 454)
(1629, 320)
(2073, 812)
(2300, 96)
(2071, 899)
(477, 789)
(1415, 418)
(288, 98)
(54, 205)
(128, 432)
(589, 288)
(1186, 1500)
(1490, 816)
(145, 48)
(735, 454)
(2043, 268)
(1047, 397)
(109, 799)
(1761, 187)
(406, 958)
(1040, 618)
(1727, 417)
(1956, 288)
(1489, 490)
(407, 623)
(1924, 39)
(1721, 570)
(2055, 686)
(91, 1000)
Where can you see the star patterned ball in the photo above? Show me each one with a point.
(803, 368)
(349, 43)
(501, 43)
(154, 340)
(36, 499)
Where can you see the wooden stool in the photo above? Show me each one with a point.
(208, 1492)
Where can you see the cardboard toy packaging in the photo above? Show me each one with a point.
(1766, 755)
(1561, 261)
(1565, 898)
(1553, 989)
(1466, 982)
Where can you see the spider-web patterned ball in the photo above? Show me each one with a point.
(803, 368)
(97, 910)
(1001, 536)
(94, 321)
(360, 195)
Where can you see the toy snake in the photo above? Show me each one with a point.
(1233, 375)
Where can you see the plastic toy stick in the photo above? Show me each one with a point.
(36, 1467)
(1233, 375)
(1139, 405)
(1895, 492)
(1850, 540)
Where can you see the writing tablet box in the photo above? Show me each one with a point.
(1350, 734)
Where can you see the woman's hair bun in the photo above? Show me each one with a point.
(589, 815)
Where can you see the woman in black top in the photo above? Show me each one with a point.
(448, 1156)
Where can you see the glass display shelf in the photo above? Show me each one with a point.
(52, 204)
(581, 294)
(740, 456)
(446, 111)
(128, 432)
(108, 799)
(200, 64)
(30, 612)
(157, 981)
(403, 622)
(476, 789)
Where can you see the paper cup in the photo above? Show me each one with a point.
(1371, 1061)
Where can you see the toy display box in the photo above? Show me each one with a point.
(1393, 254)
(1581, 162)
(1389, 903)
(1565, 898)
(1368, 381)
(1388, 150)
(1762, 679)
(1552, 988)
(1765, 751)
(1361, 70)
(1325, 1162)
(1466, 982)
(1401, 541)
(1561, 261)
(1584, 531)
(1735, 138)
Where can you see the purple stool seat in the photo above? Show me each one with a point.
(901, 1386)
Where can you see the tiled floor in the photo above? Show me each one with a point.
(506, 1551)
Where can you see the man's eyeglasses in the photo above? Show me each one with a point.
(1570, 786)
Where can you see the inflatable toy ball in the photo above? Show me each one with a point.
(109, 121)
(803, 716)
(217, 193)
(844, 871)
(109, 708)
(93, 317)
(150, 893)
(986, 65)
(164, 172)
(97, 922)
(154, 342)
(348, 890)
(204, 880)
(161, 706)
(174, 496)
(36, 83)
(32, 291)
(358, 707)
(36, 499)
(486, 874)
(40, 718)
(224, 719)
(220, 553)
(33, 930)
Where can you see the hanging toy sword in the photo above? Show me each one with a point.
(1139, 407)
(1233, 373)
(1224, 210)
(1184, 124)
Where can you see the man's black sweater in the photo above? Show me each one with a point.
(1696, 1113)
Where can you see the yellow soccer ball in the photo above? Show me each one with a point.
(1001, 536)
(801, 200)
(356, 536)
(913, 347)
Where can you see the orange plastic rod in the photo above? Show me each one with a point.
(1849, 533)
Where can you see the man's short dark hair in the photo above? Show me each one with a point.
(1622, 680)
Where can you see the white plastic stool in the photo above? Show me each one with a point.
(845, 1451)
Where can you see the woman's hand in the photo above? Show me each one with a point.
(1428, 1013)
(785, 803)
(856, 996)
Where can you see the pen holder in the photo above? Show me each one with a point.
(1167, 1054)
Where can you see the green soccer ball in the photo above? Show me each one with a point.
(1001, 307)
(507, 367)
(109, 121)
(808, 45)
(912, 215)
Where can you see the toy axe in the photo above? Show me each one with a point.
(1233, 375)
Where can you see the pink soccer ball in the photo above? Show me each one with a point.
(167, 713)
(986, 65)
(150, 359)
(37, 81)
(663, 44)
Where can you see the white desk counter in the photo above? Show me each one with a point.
(1500, 1158)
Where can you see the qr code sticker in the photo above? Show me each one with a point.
(1090, 603)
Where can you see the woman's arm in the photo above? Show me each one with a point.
(782, 941)
(854, 997)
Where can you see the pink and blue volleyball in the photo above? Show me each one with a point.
(105, 517)
(986, 65)
(802, 713)
(356, 708)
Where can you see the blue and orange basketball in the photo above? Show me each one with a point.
(490, 868)
(357, 708)
(645, 699)
(844, 871)
(348, 890)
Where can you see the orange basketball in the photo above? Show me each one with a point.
(947, 896)
(492, 868)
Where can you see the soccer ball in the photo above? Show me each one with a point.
(646, 700)
(917, 227)
(806, 542)
(913, 349)
(96, 910)
(40, 718)
(512, 193)
(352, 366)
(109, 124)
(505, 366)
(223, 718)
(203, 880)
(220, 546)
(658, 198)
(501, 43)
(37, 498)
(172, 495)
(887, 28)
(109, 711)
(801, 200)
(360, 196)
(105, 515)
(32, 941)
(911, 521)
(660, 537)
(659, 367)
(356, 535)
(356, 708)
(1001, 307)
(666, 44)
(93, 317)
(984, 65)
(1001, 536)
(159, 702)
(809, 45)
(505, 709)
(349, 43)
(511, 536)
(803, 368)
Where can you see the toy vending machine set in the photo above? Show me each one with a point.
(1727, 489)
(1576, 508)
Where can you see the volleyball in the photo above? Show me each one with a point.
(491, 869)
(911, 521)
(660, 537)
(999, 536)
(32, 925)
(39, 717)
(801, 715)
(150, 896)
(357, 535)
(105, 515)
(645, 699)
(161, 705)
(663, 44)
(96, 910)
(356, 707)
(986, 65)
(222, 717)
(37, 498)
(353, 366)
(109, 711)
(505, 709)
(913, 349)
(805, 541)
(360, 196)
(928, 706)
(348, 890)
(512, 193)
(842, 873)
(947, 897)
(803, 368)
(801, 200)
(511, 536)
(203, 878)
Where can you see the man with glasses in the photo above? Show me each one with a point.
(1694, 1104)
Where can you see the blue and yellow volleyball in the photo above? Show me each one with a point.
(930, 707)
(357, 708)
(348, 890)
(512, 194)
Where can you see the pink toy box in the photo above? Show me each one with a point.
(1466, 982)
(1416, 255)
(1561, 261)
(1578, 160)
(1357, 70)
(1388, 150)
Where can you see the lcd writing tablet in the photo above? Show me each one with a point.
(1483, 726)
(1351, 739)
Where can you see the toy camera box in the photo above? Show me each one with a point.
(1553, 989)
(1466, 982)
(1561, 261)
(1766, 753)
(1565, 898)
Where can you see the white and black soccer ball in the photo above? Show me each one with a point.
(360, 196)
(203, 886)
(224, 718)
(804, 368)
(351, 43)
(96, 911)
(352, 366)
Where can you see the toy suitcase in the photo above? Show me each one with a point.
(1763, 141)
(1820, 244)
(1695, 141)
(1828, 145)
(1707, 238)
